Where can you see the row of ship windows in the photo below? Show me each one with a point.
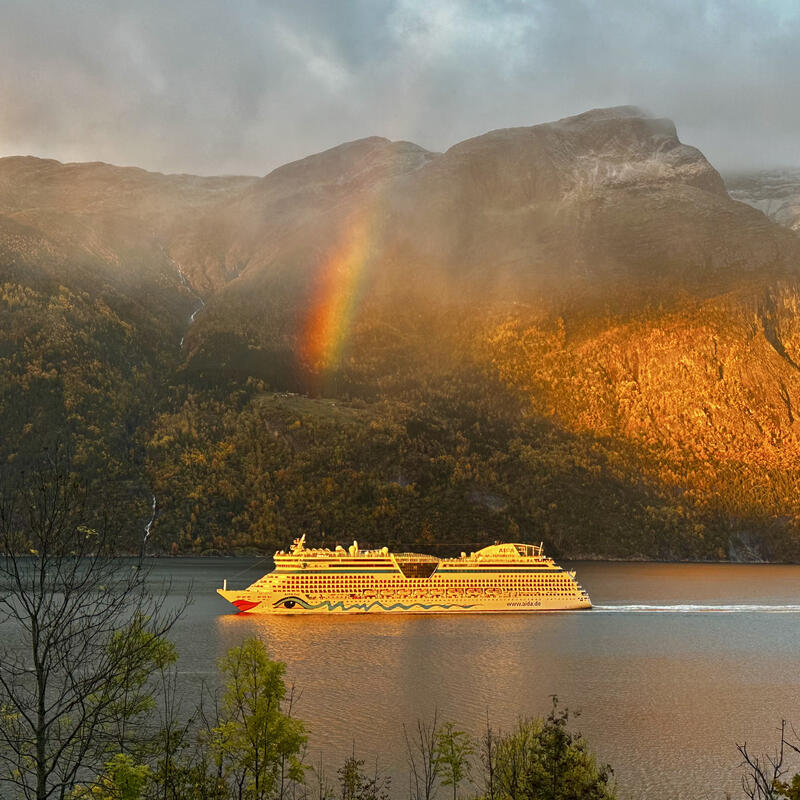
(420, 581)
(390, 582)
(421, 592)
(394, 582)
(413, 585)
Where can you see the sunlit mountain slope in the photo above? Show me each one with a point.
(569, 331)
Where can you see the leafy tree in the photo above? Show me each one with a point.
(789, 790)
(257, 742)
(544, 760)
(454, 749)
(123, 779)
(355, 784)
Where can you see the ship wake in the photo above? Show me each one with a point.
(692, 608)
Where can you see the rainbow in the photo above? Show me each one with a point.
(339, 283)
(335, 297)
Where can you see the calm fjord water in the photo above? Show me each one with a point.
(674, 665)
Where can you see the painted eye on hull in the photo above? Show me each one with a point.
(289, 604)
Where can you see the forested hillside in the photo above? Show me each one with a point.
(567, 333)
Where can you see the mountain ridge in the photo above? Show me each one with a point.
(775, 192)
(573, 317)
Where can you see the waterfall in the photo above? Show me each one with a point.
(198, 309)
(184, 282)
(149, 526)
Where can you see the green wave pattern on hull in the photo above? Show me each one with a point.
(340, 606)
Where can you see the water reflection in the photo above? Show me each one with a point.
(666, 685)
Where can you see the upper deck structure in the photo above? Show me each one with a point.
(499, 578)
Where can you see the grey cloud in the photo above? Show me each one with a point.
(211, 86)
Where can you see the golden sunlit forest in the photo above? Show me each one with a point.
(412, 348)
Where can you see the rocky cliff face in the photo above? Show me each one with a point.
(101, 225)
(775, 192)
(585, 203)
(608, 205)
(594, 273)
(286, 219)
(605, 201)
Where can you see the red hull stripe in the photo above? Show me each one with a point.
(245, 605)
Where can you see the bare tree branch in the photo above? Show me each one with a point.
(82, 633)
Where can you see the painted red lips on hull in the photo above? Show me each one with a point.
(245, 605)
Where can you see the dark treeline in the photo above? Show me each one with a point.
(449, 428)
(92, 708)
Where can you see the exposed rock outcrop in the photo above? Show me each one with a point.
(775, 192)
(595, 268)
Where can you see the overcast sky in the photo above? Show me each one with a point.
(242, 86)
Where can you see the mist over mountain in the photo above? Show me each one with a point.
(570, 331)
(601, 196)
(775, 192)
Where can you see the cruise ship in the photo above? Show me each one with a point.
(502, 577)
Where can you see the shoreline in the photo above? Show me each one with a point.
(570, 559)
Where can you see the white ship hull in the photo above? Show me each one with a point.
(242, 599)
(509, 578)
